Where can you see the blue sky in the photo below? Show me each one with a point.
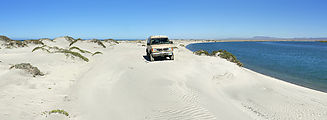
(127, 19)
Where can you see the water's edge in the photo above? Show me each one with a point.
(273, 74)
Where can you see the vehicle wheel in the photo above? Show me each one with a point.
(151, 58)
(147, 54)
(172, 57)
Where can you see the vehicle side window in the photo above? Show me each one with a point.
(148, 41)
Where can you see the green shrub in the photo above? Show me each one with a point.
(228, 56)
(221, 53)
(200, 52)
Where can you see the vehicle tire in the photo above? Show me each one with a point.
(147, 54)
(172, 57)
(151, 57)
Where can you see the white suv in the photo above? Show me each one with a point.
(159, 46)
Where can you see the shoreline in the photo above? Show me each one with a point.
(289, 79)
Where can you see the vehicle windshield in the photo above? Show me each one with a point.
(160, 41)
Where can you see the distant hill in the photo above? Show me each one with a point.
(273, 38)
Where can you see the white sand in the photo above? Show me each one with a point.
(121, 85)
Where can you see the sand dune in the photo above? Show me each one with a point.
(121, 84)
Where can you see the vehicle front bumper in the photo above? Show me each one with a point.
(162, 54)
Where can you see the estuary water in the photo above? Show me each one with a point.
(301, 63)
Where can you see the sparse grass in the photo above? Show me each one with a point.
(221, 53)
(67, 52)
(182, 45)
(68, 38)
(58, 111)
(82, 51)
(111, 40)
(33, 42)
(14, 44)
(54, 48)
(79, 39)
(72, 43)
(42, 48)
(96, 53)
(98, 42)
(73, 54)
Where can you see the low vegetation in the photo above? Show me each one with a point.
(98, 42)
(221, 53)
(42, 48)
(69, 39)
(14, 44)
(28, 68)
(201, 52)
(9, 43)
(73, 42)
(68, 52)
(72, 54)
(58, 111)
(82, 51)
(96, 53)
(37, 42)
(111, 40)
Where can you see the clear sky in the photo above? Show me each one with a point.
(137, 19)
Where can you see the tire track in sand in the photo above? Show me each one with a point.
(186, 107)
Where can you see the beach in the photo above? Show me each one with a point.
(121, 84)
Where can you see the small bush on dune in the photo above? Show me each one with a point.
(33, 42)
(98, 42)
(221, 53)
(28, 68)
(229, 56)
(58, 111)
(111, 40)
(201, 52)
(4, 38)
(69, 39)
(15, 44)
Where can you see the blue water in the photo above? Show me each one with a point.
(301, 63)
